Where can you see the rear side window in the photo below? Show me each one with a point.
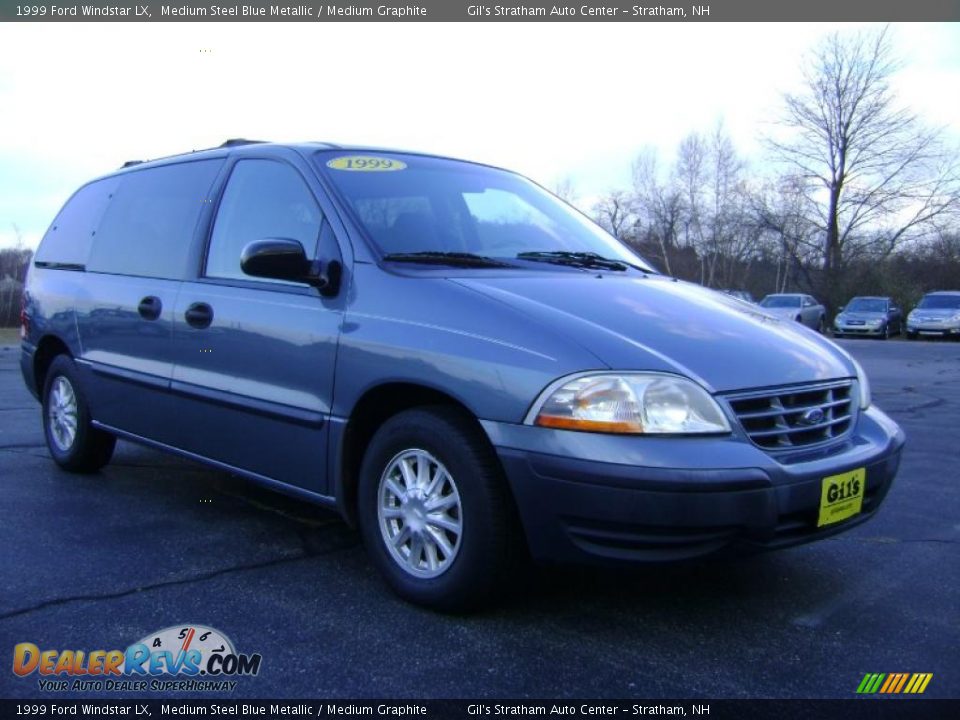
(69, 238)
(263, 199)
(148, 228)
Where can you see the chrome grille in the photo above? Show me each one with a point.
(795, 416)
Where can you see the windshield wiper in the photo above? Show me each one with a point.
(588, 260)
(436, 257)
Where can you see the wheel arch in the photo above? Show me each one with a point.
(49, 347)
(377, 405)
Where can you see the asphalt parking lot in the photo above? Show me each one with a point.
(99, 562)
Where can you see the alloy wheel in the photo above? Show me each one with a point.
(419, 513)
(62, 411)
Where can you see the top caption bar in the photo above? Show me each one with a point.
(459, 11)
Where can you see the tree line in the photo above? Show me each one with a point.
(13, 272)
(864, 198)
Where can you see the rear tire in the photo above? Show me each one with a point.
(435, 512)
(74, 443)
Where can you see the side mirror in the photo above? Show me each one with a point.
(285, 259)
(894, 309)
(276, 258)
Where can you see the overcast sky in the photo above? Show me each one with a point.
(551, 100)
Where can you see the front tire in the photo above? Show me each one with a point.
(434, 510)
(74, 443)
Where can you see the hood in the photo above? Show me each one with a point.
(935, 312)
(656, 323)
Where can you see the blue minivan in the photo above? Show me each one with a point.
(460, 363)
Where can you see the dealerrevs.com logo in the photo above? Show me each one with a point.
(181, 657)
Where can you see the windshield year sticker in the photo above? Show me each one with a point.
(365, 163)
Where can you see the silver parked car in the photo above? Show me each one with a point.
(938, 314)
(871, 316)
(796, 306)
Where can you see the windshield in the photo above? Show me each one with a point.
(940, 302)
(868, 305)
(411, 204)
(781, 301)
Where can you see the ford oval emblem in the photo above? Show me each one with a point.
(811, 417)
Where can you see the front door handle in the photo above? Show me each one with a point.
(199, 315)
(150, 307)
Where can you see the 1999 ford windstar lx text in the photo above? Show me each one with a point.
(457, 360)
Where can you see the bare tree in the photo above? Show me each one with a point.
(717, 207)
(13, 270)
(659, 205)
(780, 212)
(615, 213)
(870, 172)
(565, 190)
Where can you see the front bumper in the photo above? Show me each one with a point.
(866, 330)
(680, 498)
(933, 329)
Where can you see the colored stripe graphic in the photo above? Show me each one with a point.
(918, 683)
(894, 683)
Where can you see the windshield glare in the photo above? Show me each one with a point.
(940, 302)
(781, 301)
(871, 305)
(413, 204)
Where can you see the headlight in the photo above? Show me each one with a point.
(864, 384)
(876, 323)
(839, 319)
(634, 404)
(955, 318)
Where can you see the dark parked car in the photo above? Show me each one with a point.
(937, 315)
(795, 306)
(454, 359)
(870, 316)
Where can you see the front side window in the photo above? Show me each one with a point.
(414, 204)
(263, 199)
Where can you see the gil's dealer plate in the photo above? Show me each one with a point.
(841, 496)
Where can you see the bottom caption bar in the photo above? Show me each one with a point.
(876, 706)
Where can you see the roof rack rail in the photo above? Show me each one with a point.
(131, 163)
(233, 142)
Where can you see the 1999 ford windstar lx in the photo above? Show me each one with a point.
(458, 361)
